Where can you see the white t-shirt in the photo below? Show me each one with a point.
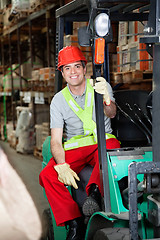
(62, 116)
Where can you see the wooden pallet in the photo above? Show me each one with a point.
(129, 77)
(136, 76)
(116, 77)
(38, 153)
(37, 85)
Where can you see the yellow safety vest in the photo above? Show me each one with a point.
(89, 126)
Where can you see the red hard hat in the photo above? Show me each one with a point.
(69, 55)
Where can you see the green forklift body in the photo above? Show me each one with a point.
(118, 162)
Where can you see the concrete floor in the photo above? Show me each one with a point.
(28, 167)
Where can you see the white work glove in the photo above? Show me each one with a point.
(101, 87)
(66, 175)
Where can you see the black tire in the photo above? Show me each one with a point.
(112, 234)
(47, 225)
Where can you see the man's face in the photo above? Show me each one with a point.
(74, 73)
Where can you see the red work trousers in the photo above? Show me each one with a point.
(62, 204)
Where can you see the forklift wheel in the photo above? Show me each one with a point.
(112, 234)
(47, 226)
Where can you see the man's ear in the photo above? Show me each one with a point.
(62, 74)
(85, 70)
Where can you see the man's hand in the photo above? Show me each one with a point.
(101, 88)
(66, 175)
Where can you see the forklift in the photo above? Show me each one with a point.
(130, 176)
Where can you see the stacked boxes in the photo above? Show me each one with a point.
(42, 132)
(39, 128)
(26, 72)
(35, 75)
(135, 30)
(122, 33)
(139, 57)
(6, 14)
(71, 40)
(131, 54)
(45, 131)
(129, 32)
(77, 25)
(7, 83)
(47, 73)
(47, 76)
(42, 79)
(123, 58)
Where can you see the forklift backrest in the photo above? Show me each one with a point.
(132, 129)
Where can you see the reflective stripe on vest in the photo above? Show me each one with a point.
(83, 141)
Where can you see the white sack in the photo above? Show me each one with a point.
(19, 218)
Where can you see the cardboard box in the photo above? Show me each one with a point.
(47, 70)
(35, 75)
(71, 40)
(6, 14)
(42, 132)
(133, 57)
(7, 83)
(26, 69)
(139, 57)
(39, 142)
(47, 73)
(122, 33)
(77, 25)
(123, 59)
(135, 31)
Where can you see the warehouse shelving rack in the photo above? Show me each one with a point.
(38, 28)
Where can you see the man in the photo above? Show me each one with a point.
(72, 112)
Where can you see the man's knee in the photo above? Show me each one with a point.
(112, 143)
